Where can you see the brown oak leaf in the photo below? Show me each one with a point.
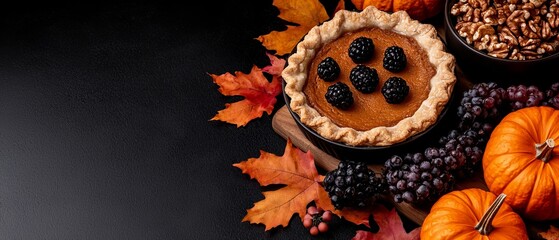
(390, 227)
(304, 13)
(551, 234)
(295, 170)
(259, 93)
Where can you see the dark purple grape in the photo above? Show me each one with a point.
(521, 96)
(408, 197)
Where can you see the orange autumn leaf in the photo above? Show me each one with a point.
(305, 13)
(295, 170)
(340, 6)
(551, 234)
(390, 227)
(259, 94)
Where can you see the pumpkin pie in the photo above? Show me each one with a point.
(367, 100)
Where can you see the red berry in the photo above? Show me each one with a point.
(327, 216)
(322, 227)
(312, 210)
(307, 223)
(314, 230)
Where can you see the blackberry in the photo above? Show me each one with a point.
(328, 69)
(482, 103)
(353, 184)
(394, 59)
(361, 49)
(363, 78)
(521, 96)
(418, 178)
(395, 90)
(339, 95)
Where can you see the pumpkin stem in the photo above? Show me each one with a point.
(544, 150)
(484, 226)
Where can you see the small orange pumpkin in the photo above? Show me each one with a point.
(471, 214)
(417, 9)
(520, 160)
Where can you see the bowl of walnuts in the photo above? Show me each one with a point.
(508, 41)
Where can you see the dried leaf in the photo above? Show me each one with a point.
(305, 13)
(357, 216)
(294, 169)
(551, 234)
(340, 6)
(259, 94)
(390, 227)
(276, 65)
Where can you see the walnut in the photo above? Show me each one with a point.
(546, 32)
(546, 48)
(489, 16)
(506, 36)
(516, 55)
(511, 7)
(477, 15)
(482, 30)
(537, 3)
(484, 42)
(456, 8)
(467, 30)
(515, 19)
(479, 4)
(528, 43)
(502, 13)
(552, 15)
(532, 9)
(530, 54)
(530, 30)
(499, 50)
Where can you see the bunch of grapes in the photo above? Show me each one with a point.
(417, 178)
(462, 151)
(481, 104)
(521, 96)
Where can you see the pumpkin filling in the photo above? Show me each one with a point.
(371, 110)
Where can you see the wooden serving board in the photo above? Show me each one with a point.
(284, 124)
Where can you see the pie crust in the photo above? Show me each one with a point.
(441, 84)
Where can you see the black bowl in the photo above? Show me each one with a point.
(478, 66)
(376, 154)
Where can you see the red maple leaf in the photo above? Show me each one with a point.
(390, 227)
(259, 93)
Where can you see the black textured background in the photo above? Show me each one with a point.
(104, 121)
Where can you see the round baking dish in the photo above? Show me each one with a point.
(376, 154)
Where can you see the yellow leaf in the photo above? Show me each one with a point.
(305, 13)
